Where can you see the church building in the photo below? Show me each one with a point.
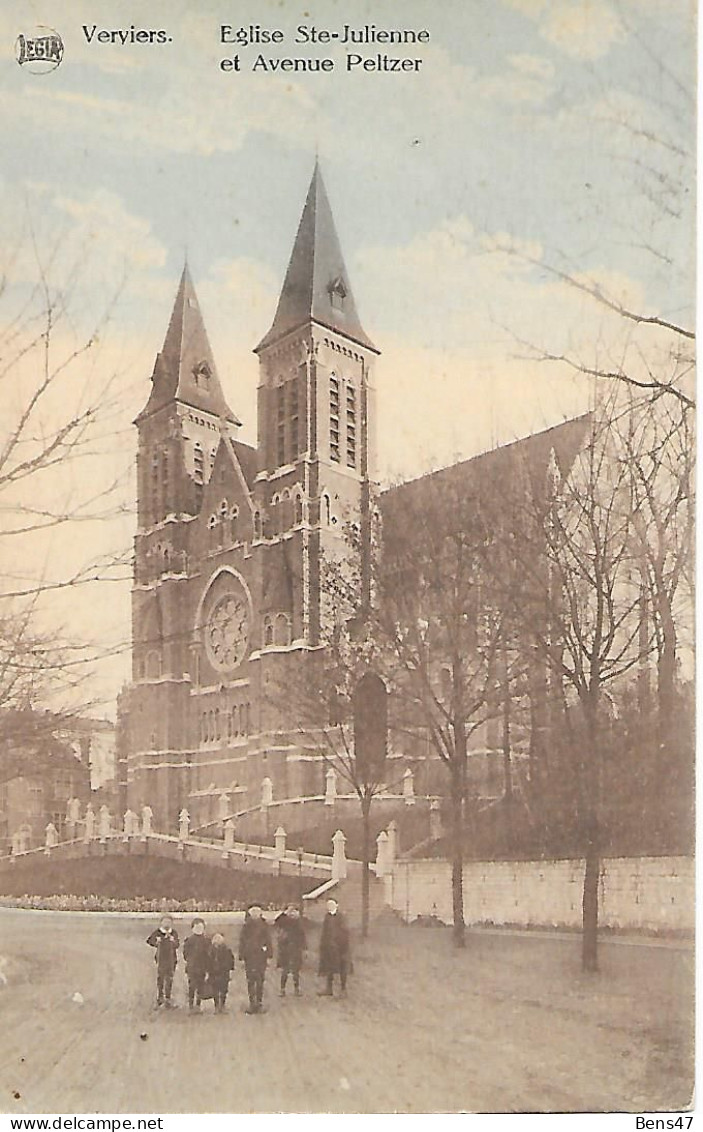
(228, 604)
(230, 538)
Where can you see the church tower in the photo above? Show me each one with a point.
(315, 414)
(179, 431)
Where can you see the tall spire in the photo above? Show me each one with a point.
(316, 287)
(185, 369)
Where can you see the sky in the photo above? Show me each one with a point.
(536, 135)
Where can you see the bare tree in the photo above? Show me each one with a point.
(438, 616)
(659, 447)
(580, 602)
(318, 705)
(647, 343)
(60, 413)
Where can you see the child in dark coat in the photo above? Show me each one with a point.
(255, 950)
(196, 952)
(165, 942)
(335, 958)
(291, 947)
(220, 965)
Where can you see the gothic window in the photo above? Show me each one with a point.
(281, 425)
(155, 486)
(198, 464)
(268, 630)
(293, 418)
(325, 510)
(351, 426)
(284, 523)
(164, 481)
(334, 417)
(297, 509)
(282, 629)
(225, 521)
(202, 375)
(337, 293)
(257, 525)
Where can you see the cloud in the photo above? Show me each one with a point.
(584, 29)
(469, 321)
(526, 79)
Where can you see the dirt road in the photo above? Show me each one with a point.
(508, 1025)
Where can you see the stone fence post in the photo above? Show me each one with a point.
(339, 858)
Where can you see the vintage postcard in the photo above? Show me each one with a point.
(346, 559)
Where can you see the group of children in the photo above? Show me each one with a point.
(209, 961)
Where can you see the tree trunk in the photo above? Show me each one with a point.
(666, 673)
(457, 787)
(507, 767)
(365, 813)
(589, 951)
(589, 940)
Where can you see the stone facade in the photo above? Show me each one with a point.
(226, 598)
(230, 612)
(636, 893)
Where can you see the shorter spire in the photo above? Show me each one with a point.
(185, 369)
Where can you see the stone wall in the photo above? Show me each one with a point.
(650, 893)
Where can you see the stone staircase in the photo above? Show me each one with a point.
(348, 893)
(350, 897)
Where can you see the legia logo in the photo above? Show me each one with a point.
(41, 52)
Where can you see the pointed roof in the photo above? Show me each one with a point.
(185, 369)
(316, 287)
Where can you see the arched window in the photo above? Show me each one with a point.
(285, 516)
(224, 509)
(334, 417)
(198, 473)
(275, 514)
(297, 509)
(257, 524)
(155, 487)
(164, 481)
(198, 464)
(282, 633)
(325, 510)
(268, 630)
(153, 664)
